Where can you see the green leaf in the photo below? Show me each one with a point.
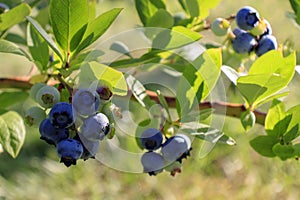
(230, 73)
(9, 47)
(12, 132)
(280, 127)
(191, 7)
(198, 80)
(283, 151)
(8, 99)
(295, 112)
(174, 38)
(291, 134)
(263, 145)
(120, 47)
(147, 8)
(275, 114)
(68, 20)
(46, 37)
(15, 38)
(132, 62)
(156, 19)
(14, 16)
(97, 27)
(296, 150)
(94, 71)
(88, 56)
(248, 119)
(268, 74)
(139, 91)
(295, 4)
(38, 48)
(164, 104)
(198, 8)
(206, 6)
(211, 135)
(92, 9)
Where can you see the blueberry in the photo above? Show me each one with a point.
(69, 151)
(3, 8)
(268, 30)
(247, 18)
(220, 26)
(90, 148)
(95, 127)
(47, 96)
(176, 148)
(243, 43)
(86, 102)
(61, 115)
(34, 89)
(51, 134)
(151, 139)
(265, 44)
(34, 116)
(238, 31)
(153, 163)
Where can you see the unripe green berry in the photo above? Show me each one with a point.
(220, 26)
(35, 88)
(34, 116)
(47, 96)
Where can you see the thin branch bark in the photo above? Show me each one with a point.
(229, 109)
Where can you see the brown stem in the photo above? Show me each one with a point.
(229, 109)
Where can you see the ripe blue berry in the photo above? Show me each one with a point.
(51, 134)
(34, 116)
(176, 148)
(69, 151)
(153, 163)
(220, 26)
(265, 44)
(243, 42)
(86, 102)
(95, 127)
(247, 18)
(61, 115)
(151, 139)
(90, 148)
(47, 96)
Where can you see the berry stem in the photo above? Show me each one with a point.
(62, 81)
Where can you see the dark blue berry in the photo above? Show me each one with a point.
(51, 134)
(61, 115)
(247, 18)
(151, 139)
(265, 44)
(69, 151)
(243, 43)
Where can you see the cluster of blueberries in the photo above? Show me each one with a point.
(75, 129)
(252, 34)
(171, 153)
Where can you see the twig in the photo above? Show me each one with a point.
(229, 109)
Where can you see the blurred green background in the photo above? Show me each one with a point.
(225, 173)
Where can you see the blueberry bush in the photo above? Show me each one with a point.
(163, 88)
